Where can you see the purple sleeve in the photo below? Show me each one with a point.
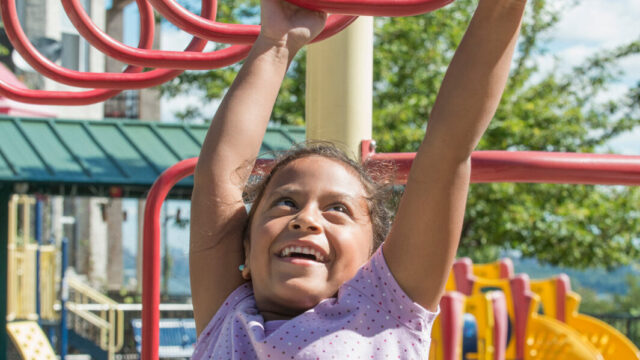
(230, 303)
(375, 281)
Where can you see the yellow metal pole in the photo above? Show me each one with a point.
(340, 85)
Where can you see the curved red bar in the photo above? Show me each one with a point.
(133, 78)
(373, 7)
(230, 33)
(151, 254)
(40, 97)
(184, 60)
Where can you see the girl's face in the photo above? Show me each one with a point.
(310, 233)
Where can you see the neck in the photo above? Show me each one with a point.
(269, 316)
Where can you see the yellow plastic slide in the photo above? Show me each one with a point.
(612, 344)
(30, 340)
(550, 339)
(609, 341)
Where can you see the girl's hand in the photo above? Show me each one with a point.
(290, 26)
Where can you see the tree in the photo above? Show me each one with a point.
(550, 111)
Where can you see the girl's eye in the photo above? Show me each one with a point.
(339, 208)
(286, 203)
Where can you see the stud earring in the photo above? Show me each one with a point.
(241, 268)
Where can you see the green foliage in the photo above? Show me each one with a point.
(568, 225)
(628, 303)
(618, 303)
(593, 304)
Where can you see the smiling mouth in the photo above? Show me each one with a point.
(301, 252)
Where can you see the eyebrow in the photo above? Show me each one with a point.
(292, 191)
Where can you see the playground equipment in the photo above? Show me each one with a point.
(484, 314)
(33, 282)
(558, 302)
(30, 340)
(171, 63)
(487, 166)
(534, 336)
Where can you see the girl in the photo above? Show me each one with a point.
(312, 281)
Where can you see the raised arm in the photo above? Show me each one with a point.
(424, 238)
(230, 147)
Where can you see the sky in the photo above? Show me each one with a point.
(585, 29)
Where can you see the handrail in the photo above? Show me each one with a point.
(90, 317)
(110, 320)
(90, 292)
(127, 307)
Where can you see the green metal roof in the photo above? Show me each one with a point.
(72, 157)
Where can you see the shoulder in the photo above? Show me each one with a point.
(375, 282)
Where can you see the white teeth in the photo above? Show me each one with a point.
(302, 250)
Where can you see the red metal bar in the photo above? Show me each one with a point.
(16, 34)
(230, 33)
(373, 7)
(531, 166)
(133, 78)
(151, 254)
(191, 58)
(46, 67)
(62, 98)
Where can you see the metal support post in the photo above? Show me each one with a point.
(340, 86)
(5, 196)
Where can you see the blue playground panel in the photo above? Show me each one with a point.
(469, 335)
(177, 337)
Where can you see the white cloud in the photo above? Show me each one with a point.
(627, 143)
(600, 22)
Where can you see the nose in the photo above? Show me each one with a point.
(305, 221)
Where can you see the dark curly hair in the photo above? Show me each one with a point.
(377, 182)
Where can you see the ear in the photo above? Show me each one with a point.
(246, 271)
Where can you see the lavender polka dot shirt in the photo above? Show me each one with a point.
(371, 318)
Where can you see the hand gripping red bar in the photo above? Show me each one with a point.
(487, 166)
(230, 33)
(185, 60)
